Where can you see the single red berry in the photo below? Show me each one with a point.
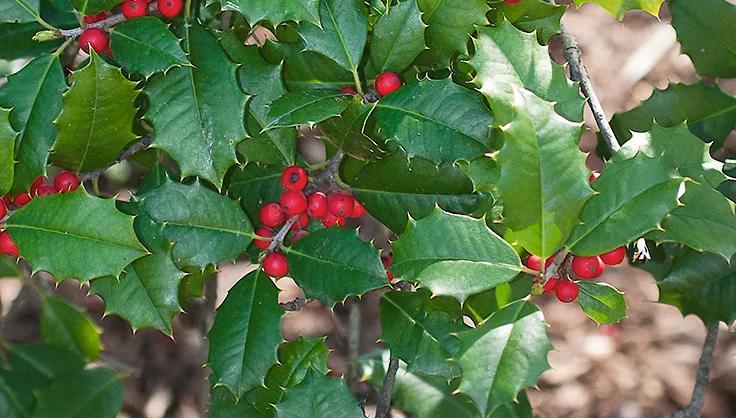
(358, 209)
(330, 220)
(551, 284)
(275, 265)
(341, 204)
(567, 291)
(271, 215)
(293, 203)
(66, 181)
(96, 18)
(387, 82)
(535, 263)
(94, 37)
(7, 246)
(294, 178)
(587, 267)
(593, 176)
(301, 222)
(299, 235)
(169, 8)
(317, 205)
(3, 210)
(615, 257)
(265, 232)
(512, 1)
(22, 199)
(134, 8)
(36, 184)
(387, 260)
(348, 90)
(45, 190)
(390, 276)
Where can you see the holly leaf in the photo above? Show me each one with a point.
(146, 295)
(342, 33)
(332, 264)
(275, 12)
(307, 70)
(618, 8)
(398, 38)
(602, 302)
(19, 40)
(93, 392)
(453, 255)
(34, 95)
(7, 148)
(449, 25)
(480, 306)
(543, 179)
(531, 15)
(92, 7)
(224, 405)
(633, 196)
(192, 285)
(16, 11)
(146, 46)
(348, 131)
(705, 31)
(254, 184)
(66, 326)
(421, 332)
(318, 396)
(503, 355)
(75, 235)
(306, 107)
(205, 227)
(96, 122)
(435, 119)
(245, 334)
(507, 59)
(197, 112)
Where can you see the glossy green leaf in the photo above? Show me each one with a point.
(7, 151)
(319, 396)
(92, 7)
(482, 305)
(96, 122)
(66, 326)
(19, 10)
(17, 41)
(306, 107)
(224, 405)
(507, 58)
(602, 302)
(504, 355)
(94, 392)
(75, 235)
(449, 25)
(348, 132)
(245, 334)
(192, 285)
(275, 12)
(197, 112)
(204, 226)
(332, 264)
(705, 31)
(255, 184)
(435, 119)
(307, 70)
(398, 38)
(146, 46)
(531, 15)
(618, 8)
(470, 259)
(146, 295)
(34, 95)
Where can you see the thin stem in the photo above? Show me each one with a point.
(384, 402)
(354, 339)
(137, 147)
(102, 24)
(45, 24)
(702, 376)
(63, 46)
(279, 237)
(328, 175)
(187, 10)
(356, 79)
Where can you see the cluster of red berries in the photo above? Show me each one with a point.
(386, 83)
(98, 39)
(64, 182)
(331, 209)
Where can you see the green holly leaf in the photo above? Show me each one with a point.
(192, 285)
(224, 405)
(92, 7)
(543, 179)
(94, 392)
(34, 95)
(332, 264)
(705, 31)
(7, 148)
(398, 38)
(306, 70)
(342, 34)
(18, 39)
(531, 15)
(421, 332)
(254, 184)
(96, 122)
(146, 46)
(602, 302)
(245, 334)
(618, 8)
(318, 396)
(503, 355)
(205, 227)
(75, 235)
(449, 25)
(348, 131)
(306, 107)
(633, 196)
(146, 295)
(480, 306)
(20, 10)
(507, 58)
(453, 255)
(66, 326)
(435, 119)
(275, 12)
(197, 112)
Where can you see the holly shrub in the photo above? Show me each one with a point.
(446, 121)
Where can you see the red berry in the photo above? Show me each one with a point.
(535, 263)
(387, 259)
(298, 235)
(265, 232)
(593, 176)
(6, 201)
(587, 267)
(94, 37)
(293, 203)
(567, 291)
(330, 220)
(169, 8)
(96, 18)
(45, 190)
(551, 284)
(134, 8)
(294, 178)
(358, 209)
(317, 205)
(512, 1)
(22, 199)
(275, 265)
(615, 257)
(3, 210)
(66, 181)
(341, 205)
(7, 246)
(348, 90)
(390, 276)
(271, 215)
(36, 184)
(387, 82)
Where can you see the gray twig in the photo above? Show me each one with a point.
(354, 339)
(294, 305)
(384, 402)
(279, 237)
(702, 377)
(102, 24)
(137, 147)
(326, 176)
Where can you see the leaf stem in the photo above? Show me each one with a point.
(63, 46)
(356, 79)
(187, 10)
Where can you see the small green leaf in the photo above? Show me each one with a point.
(398, 38)
(255, 184)
(306, 107)
(275, 12)
(95, 392)
(146, 46)
(19, 10)
(531, 15)
(449, 25)
(319, 396)
(618, 8)
(602, 302)
(348, 132)
(7, 151)
(66, 326)
(307, 70)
